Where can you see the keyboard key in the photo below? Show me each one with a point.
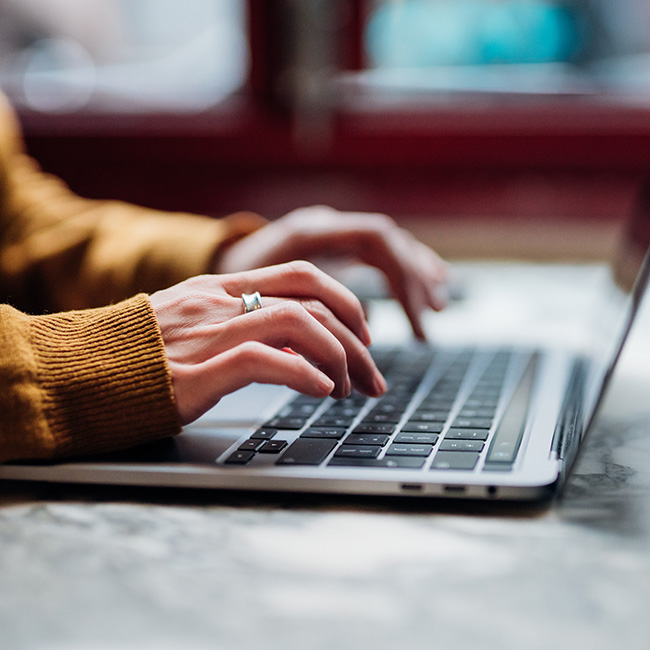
(430, 416)
(287, 423)
(265, 433)
(467, 434)
(417, 438)
(423, 427)
(455, 460)
(477, 413)
(394, 462)
(398, 449)
(486, 392)
(273, 446)
(387, 405)
(353, 398)
(251, 445)
(307, 451)
(240, 457)
(297, 411)
(358, 451)
(333, 433)
(462, 445)
(342, 412)
(436, 405)
(472, 423)
(330, 421)
(481, 403)
(374, 427)
(390, 418)
(367, 439)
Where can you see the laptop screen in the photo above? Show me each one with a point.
(620, 301)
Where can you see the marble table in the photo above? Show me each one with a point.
(105, 568)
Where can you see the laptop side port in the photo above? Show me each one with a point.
(412, 487)
(455, 489)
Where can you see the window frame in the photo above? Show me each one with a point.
(254, 136)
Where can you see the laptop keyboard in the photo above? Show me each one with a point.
(444, 410)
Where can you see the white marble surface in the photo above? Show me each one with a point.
(101, 569)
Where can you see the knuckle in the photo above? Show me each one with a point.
(380, 232)
(383, 223)
(316, 308)
(302, 269)
(291, 313)
(249, 352)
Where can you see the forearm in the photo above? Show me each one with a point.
(83, 382)
(59, 251)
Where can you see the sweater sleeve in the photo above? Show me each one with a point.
(59, 251)
(83, 382)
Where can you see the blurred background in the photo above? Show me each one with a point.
(492, 128)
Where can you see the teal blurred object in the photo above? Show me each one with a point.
(425, 33)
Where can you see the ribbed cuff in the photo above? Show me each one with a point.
(104, 378)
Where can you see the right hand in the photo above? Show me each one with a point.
(311, 335)
(416, 275)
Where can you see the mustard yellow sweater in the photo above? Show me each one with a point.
(82, 364)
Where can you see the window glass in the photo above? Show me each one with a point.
(63, 55)
(520, 46)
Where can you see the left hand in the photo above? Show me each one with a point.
(415, 273)
(310, 336)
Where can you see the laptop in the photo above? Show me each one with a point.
(459, 421)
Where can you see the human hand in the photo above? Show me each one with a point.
(311, 335)
(415, 274)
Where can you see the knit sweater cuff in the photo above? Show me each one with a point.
(104, 378)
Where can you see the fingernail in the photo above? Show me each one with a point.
(418, 330)
(380, 384)
(439, 296)
(325, 384)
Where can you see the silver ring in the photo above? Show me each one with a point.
(252, 301)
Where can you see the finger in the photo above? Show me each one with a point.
(413, 299)
(249, 362)
(288, 324)
(301, 279)
(389, 250)
(435, 275)
(356, 233)
(193, 331)
(362, 370)
(413, 270)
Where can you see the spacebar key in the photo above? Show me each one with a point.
(307, 451)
